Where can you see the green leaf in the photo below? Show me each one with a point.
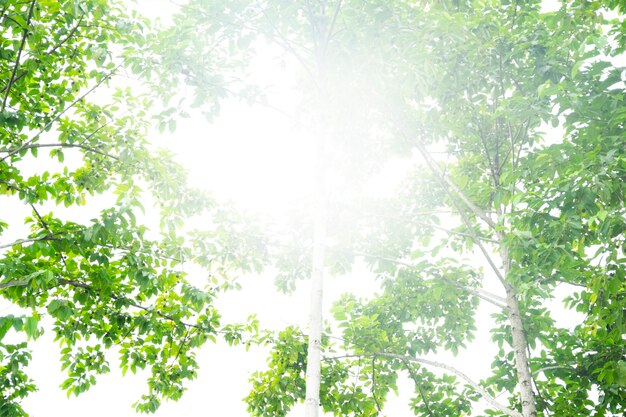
(30, 327)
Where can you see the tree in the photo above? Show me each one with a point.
(483, 79)
(68, 150)
(469, 88)
(304, 33)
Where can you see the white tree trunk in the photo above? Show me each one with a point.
(520, 345)
(313, 368)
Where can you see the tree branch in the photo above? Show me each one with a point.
(22, 241)
(331, 27)
(55, 118)
(435, 226)
(480, 293)
(447, 184)
(58, 145)
(287, 44)
(475, 386)
(378, 408)
(10, 284)
(19, 56)
(67, 38)
(552, 367)
(78, 284)
(419, 387)
(473, 236)
(19, 77)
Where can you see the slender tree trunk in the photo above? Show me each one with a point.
(520, 346)
(313, 368)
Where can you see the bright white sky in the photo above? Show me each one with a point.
(252, 157)
(255, 158)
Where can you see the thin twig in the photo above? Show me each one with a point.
(552, 367)
(68, 37)
(45, 225)
(435, 226)
(19, 77)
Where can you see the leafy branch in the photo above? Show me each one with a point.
(12, 151)
(128, 301)
(19, 56)
(454, 191)
(67, 38)
(448, 184)
(55, 118)
(480, 293)
(22, 241)
(475, 386)
(378, 407)
(418, 385)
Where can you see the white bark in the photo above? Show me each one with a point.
(313, 368)
(520, 344)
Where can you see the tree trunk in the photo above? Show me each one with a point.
(313, 367)
(520, 346)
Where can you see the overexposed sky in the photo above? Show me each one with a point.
(254, 157)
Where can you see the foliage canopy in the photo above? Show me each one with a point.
(69, 149)
(468, 88)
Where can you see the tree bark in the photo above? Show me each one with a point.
(520, 345)
(313, 368)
